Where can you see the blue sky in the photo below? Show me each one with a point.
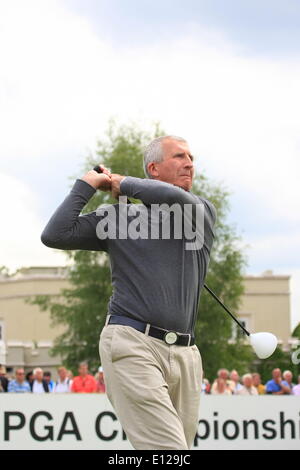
(266, 27)
(223, 74)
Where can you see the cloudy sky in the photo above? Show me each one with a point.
(224, 75)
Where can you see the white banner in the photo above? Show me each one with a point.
(88, 421)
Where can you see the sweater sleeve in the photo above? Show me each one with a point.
(67, 229)
(156, 192)
(151, 191)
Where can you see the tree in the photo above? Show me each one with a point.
(296, 332)
(280, 359)
(83, 307)
(4, 272)
(295, 351)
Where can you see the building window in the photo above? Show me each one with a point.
(237, 332)
(240, 333)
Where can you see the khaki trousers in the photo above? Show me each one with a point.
(153, 387)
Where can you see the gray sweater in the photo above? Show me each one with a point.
(157, 281)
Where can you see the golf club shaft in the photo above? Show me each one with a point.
(225, 308)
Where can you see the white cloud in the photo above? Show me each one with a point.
(59, 84)
(21, 230)
(271, 247)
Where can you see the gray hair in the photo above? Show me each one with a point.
(247, 376)
(83, 363)
(154, 152)
(287, 372)
(221, 370)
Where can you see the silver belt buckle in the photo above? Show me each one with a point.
(170, 337)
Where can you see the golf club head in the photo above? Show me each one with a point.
(263, 343)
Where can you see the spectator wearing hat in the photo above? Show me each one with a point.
(205, 386)
(100, 381)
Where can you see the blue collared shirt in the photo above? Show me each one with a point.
(16, 387)
(273, 387)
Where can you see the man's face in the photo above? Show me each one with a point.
(39, 375)
(288, 377)
(276, 374)
(83, 369)
(20, 375)
(248, 382)
(62, 374)
(256, 380)
(223, 374)
(177, 165)
(234, 376)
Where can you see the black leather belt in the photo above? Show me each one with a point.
(168, 336)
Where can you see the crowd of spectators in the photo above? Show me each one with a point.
(226, 383)
(39, 381)
(229, 383)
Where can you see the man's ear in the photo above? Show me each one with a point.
(153, 169)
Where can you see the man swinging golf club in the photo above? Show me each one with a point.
(152, 366)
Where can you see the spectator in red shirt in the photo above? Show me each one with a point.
(84, 382)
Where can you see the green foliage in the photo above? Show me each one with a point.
(280, 359)
(4, 271)
(296, 332)
(83, 307)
